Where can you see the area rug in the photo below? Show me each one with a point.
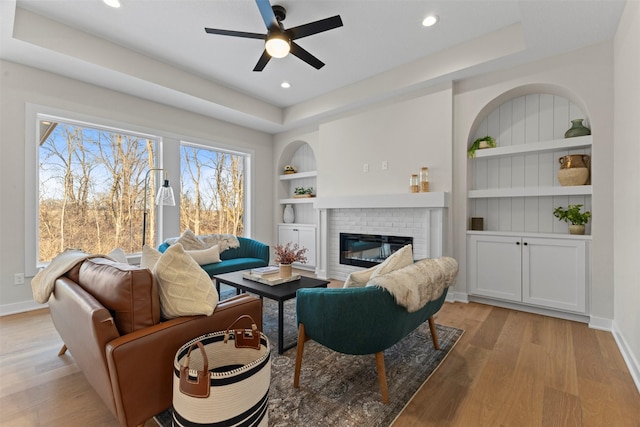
(343, 390)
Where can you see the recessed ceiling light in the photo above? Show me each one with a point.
(112, 3)
(430, 20)
(285, 85)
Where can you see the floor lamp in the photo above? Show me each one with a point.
(163, 198)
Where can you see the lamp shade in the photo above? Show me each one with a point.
(165, 195)
(277, 45)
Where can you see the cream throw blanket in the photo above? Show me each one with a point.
(43, 283)
(417, 284)
(191, 242)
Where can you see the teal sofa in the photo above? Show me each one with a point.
(250, 254)
(358, 321)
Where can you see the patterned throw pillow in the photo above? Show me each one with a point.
(185, 289)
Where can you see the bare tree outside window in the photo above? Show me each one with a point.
(92, 189)
(212, 191)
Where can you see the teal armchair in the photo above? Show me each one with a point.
(358, 321)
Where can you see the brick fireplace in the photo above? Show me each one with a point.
(422, 216)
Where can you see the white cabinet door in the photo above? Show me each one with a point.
(307, 239)
(286, 234)
(554, 273)
(494, 268)
(303, 235)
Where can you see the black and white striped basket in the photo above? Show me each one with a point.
(224, 381)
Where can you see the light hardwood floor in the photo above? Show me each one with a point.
(509, 369)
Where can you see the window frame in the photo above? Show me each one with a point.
(33, 115)
(247, 155)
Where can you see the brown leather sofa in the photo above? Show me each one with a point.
(108, 315)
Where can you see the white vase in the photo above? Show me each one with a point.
(288, 216)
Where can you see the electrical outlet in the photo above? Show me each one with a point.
(385, 165)
(365, 167)
(18, 279)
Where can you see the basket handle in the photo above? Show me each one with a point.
(198, 387)
(244, 338)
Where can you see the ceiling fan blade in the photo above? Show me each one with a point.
(306, 56)
(235, 33)
(314, 27)
(267, 14)
(262, 62)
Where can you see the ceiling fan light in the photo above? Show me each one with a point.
(277, 46)
(430, 20)
(112, 3)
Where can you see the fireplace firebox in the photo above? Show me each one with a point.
(367, 250)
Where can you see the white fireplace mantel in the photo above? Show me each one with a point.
(407, 200)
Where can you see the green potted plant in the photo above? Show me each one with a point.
(486, 142)
(573, 216)
(303, 192)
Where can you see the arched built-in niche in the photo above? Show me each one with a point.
(300, 155)
(523, 254)
(515, 188)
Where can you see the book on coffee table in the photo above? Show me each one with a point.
(270, 280)
(269, 270)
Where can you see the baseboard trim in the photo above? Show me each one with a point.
(457, 297)
(531, 309)
(601, 323)
(627, 355)
(20, 307)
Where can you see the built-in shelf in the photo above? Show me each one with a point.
(577, 190)
(537, 147)
(297, 201)
(298, 175)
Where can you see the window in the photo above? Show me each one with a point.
(212, 190)
(92, 187)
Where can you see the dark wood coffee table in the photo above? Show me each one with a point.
(280, 293)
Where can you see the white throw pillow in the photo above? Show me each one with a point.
(150, 257)
(400, 258)
(118, 255)
(185, 289)
(206, 256)
(358, 279)
(190, 241)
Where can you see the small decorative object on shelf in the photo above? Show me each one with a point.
(413, 183)
(289, 169)
(477, 223)
(573, 216)
(287, 255)
(577, 129)
(424, 180)
(301, 192)
(288, 216)
(574, 169)
(479, 144)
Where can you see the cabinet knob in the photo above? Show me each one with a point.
(518, 243)
(525, 243)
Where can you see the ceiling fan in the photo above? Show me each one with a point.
(278, 41)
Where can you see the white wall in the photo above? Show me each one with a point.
(586, 77)
(626, 203)
(407, 134)
(20, 85)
